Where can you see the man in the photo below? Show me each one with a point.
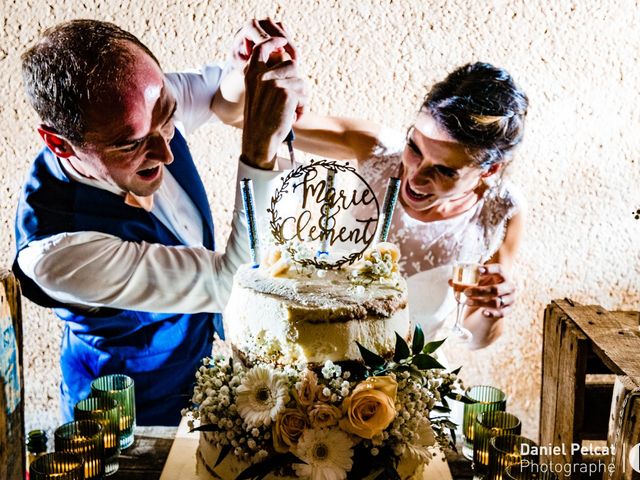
(113, 227)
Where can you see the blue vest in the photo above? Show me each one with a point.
(161, 352)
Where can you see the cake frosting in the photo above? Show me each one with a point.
(316, 318)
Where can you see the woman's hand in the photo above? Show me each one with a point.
(495, 293)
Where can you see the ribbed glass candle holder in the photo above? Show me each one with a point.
(487, 399)
(106, 412)
(58, 466)
(505, 450)
(121, 389)
(86, 439)
(528, 471)
(488, 425)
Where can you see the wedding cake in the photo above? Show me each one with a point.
(324, 377)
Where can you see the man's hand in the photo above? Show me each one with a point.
(274, 92)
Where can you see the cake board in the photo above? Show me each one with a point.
(181, 462)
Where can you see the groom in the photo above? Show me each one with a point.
(113, 226)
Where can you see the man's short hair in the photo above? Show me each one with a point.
(72, 62)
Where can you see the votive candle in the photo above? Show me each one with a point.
(86, 439)
(121, 389)
(486, 399)
(505, 450)
(106, 412)
(58, 466)
(488, 425)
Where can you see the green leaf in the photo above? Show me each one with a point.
(371, 360)
(432, 346)
(418, 340)
(463, 398)
(425, 362)
(457, 370)
(224, 451)
(389, 473)
(259, 470)
(207, 427)
(402, 349)
(439, 408)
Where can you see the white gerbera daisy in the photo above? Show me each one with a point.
(261, 396)
(327, 452)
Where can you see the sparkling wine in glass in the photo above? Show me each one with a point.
(465, 275)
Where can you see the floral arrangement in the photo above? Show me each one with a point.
(339, 422)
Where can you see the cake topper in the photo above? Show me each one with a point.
(318, 220)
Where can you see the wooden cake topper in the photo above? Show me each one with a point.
(317, 183)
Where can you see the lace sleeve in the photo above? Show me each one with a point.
(501, 204)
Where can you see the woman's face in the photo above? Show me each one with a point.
(436, 169)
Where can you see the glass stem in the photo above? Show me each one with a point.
(458, 325)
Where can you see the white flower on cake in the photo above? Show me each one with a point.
(327, 452)
(379, 263)
(261, 396)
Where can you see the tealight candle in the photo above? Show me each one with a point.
(488, 425)
(487, 399)
(505, 450)
(121, 389)
(246, 189)
(106, 412)
(58, 466)
(388, 206)
(86, 439)
(528, 471)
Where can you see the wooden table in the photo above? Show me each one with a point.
(146, 458)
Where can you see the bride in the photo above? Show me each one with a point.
(453, 204)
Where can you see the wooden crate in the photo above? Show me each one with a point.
(12, 447)
(590, 387)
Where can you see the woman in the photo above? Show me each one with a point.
(453, 205)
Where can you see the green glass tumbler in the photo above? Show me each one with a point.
(528, 471)
(86, 439)
(505, 450)
(121, 389)
(487, 399)
(488, 425)
(106, 412)
(58, 466)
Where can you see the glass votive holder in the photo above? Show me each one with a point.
(85, 438)
(505, 450)
(487, 399)
(488, 425)
(58, 466)
(121, 389)
(106, 412)
(528, 471)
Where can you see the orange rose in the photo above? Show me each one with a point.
(287, 429)
(371, 407)
(323, 415)
(306, 394)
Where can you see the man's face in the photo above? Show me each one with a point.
(130, 126)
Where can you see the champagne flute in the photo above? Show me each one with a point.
(465, 275)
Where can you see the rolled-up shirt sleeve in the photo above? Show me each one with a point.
(194, 91)
(95, 269)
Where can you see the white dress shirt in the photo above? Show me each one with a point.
(94, 269)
